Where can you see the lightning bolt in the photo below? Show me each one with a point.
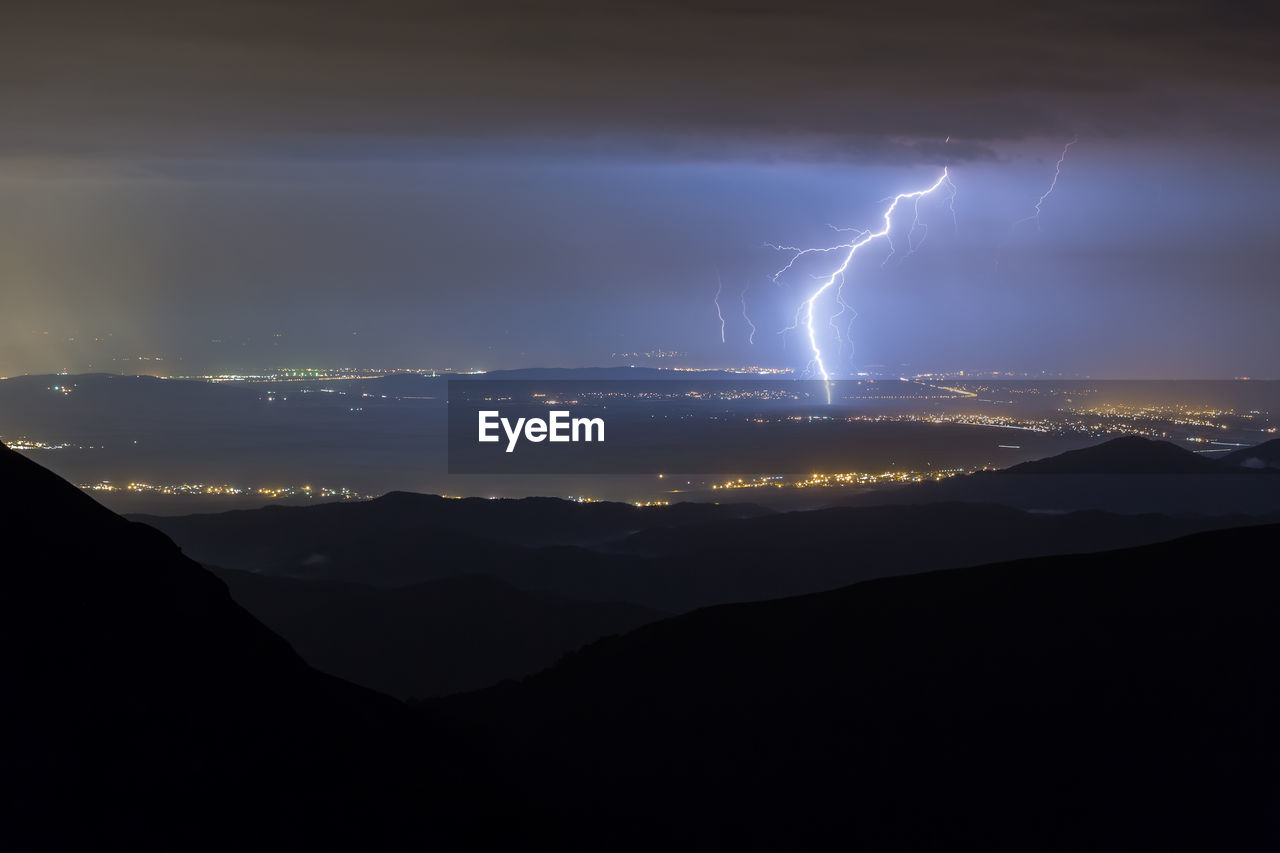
(751, 339)
(719, 313)
(1057, 173)
(836, 279)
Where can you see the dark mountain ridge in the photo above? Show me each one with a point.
(1265, 455)
(1125, 455)
(144, 703)
(1110, 701)
(672, 568)
(271, 538)
(1126, 475)
(471, 631)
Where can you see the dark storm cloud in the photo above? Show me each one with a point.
(819, 78)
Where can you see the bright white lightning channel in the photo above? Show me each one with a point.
(804, 314)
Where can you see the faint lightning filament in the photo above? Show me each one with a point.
(1057, 173)
(719, 313)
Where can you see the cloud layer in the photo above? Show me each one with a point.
(818, 78)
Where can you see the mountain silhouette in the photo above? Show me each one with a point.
(143, 703)
(1265, 455)
(1117, 700)
(1125, 475)
(405, 538)
(472, 630)
(672, 568)
(1129, 454)
(1113, 701)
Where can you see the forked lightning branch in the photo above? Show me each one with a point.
(561, 426)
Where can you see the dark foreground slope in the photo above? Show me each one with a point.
(1120, 700)
(144, 705)
(429, 639)
(1117, 701)
(464, 633)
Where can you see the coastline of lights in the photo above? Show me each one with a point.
(30, 444)
(849, 478)
(225, 490)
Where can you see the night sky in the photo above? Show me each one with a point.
(236, 186)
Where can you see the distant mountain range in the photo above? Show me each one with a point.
(687, 563)
(515, 626)
(284, 533)
(511, 585)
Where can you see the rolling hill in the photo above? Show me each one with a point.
(1126, 475)
(1124, 455)
(1265, 455)
(412, 529)
(1111, 701)
(709, 557)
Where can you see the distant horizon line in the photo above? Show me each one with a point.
(745, 371)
